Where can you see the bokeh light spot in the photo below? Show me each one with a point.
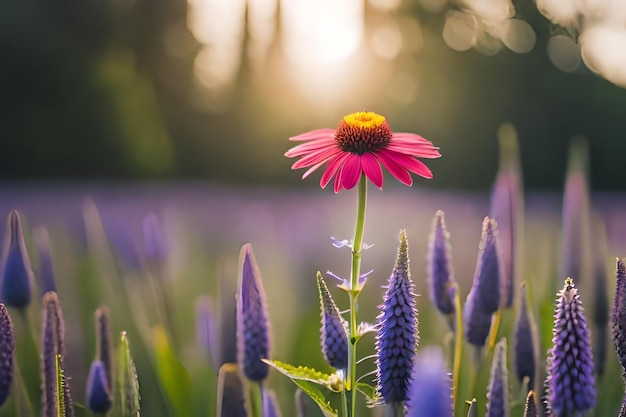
(459, 31)
(518, 35)
(386, 40)
(564, 53)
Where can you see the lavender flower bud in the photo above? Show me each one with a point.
(618, 316)
(53, 344)
(440, 272)
(252, 319)
(498, 390)
(99, 398)
(154, 242)
(530, 408)
(15, 285)
(430, 392)
(46, 271)
(270, 404)
(397, 338)
(504, 202)
(575, 215)
(333, 332)
(570, 381)
(488, 268)
(524, 351)
(477, 323)
(7, 348)
(206, 332)
(104, 344)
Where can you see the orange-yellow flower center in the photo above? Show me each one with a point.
(362, 132)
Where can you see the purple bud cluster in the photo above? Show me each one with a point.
(570, 382)
(440, 272)
(252, 319)
(333, 332)
(396, 341)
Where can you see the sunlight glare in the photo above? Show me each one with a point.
(322, 32)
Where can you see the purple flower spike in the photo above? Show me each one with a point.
(206, 330)
(488, 268)
(15, 282)
(99, 398)
(498, 391)
(397, 338)
(253, 342)
(270, 404)
(430, 392)
(504, 207)
(575, 214)
(154, 242)
(477, 323)
(618, 316)
(530, 408)
(46, 271)
(53, 345)
(524, 351)
(333, 332)
(440, 272)
(7, 346)
(570, 382)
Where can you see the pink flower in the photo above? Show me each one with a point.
(362, 142)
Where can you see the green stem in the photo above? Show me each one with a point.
(354, 290)
(344, 402)
(256, 399)
(458, 346)
(493, 334)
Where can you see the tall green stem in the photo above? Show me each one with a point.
(355, 289)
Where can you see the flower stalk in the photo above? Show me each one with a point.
(354, 290)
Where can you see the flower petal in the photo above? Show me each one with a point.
(315, 158)
(314, 134)
(314, 168)
(410, 163)
(351, 171)
(334, 164)
(372, 169)
(413, 145)
(309, 147)
(396, 170)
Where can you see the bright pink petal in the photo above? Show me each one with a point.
(337, 184)
(311, 146)
(315, 158)
(413, 145)
(372, 169)
(313, 168)
(314, 134)
(334, 164)
(396, 170)
(351, 171)
(410, 163)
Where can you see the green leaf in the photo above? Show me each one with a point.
(302, 373)
(305, 377)
(317, 396)
(367, 390)
(128, 384)
(173, 376)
